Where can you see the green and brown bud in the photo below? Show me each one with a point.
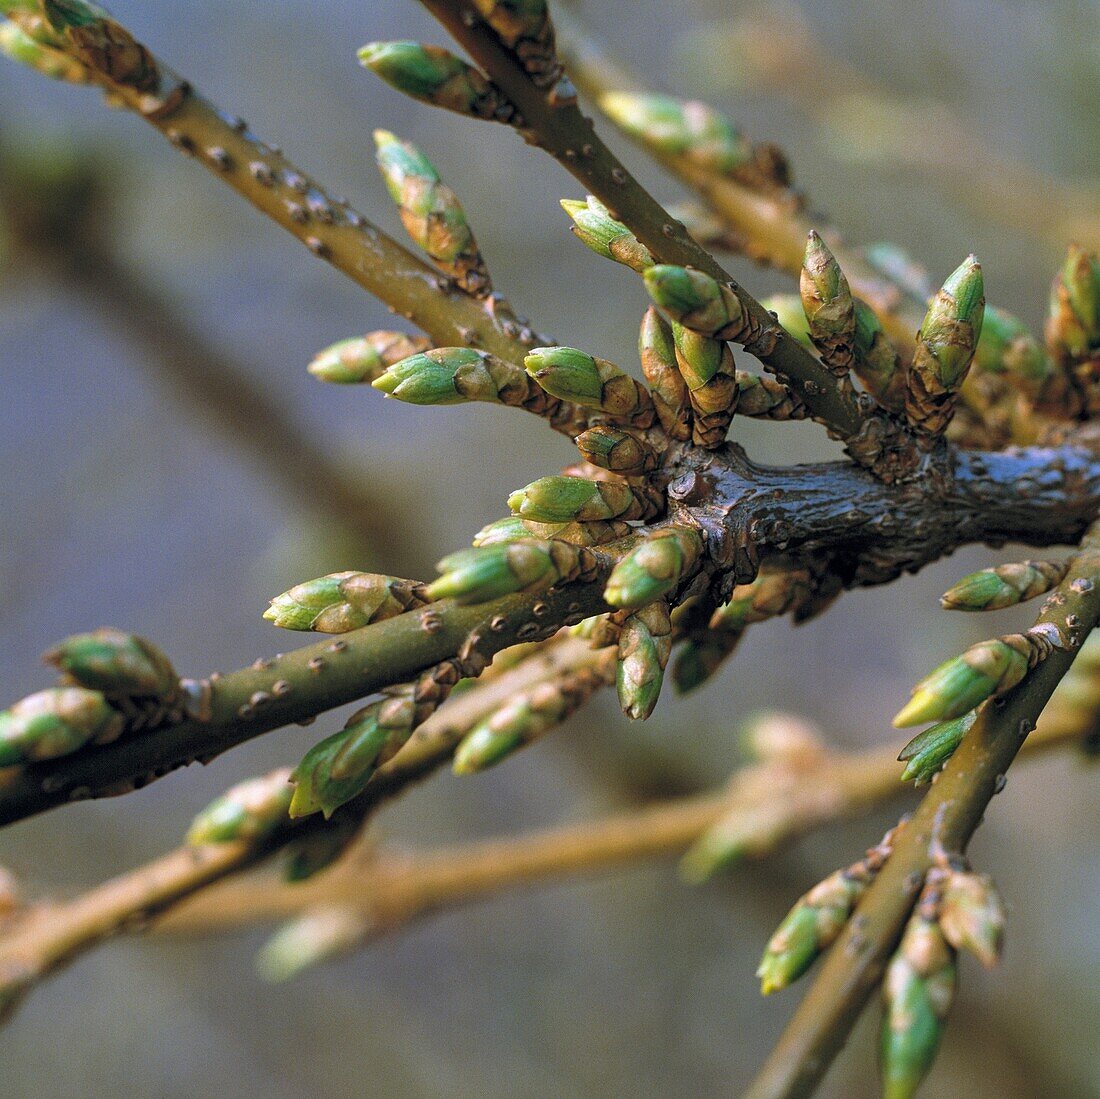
(56, 722)
(656, 568)
(644, 645)
(675, 128)
(986, 670)
(876, 362)
(323, 933)
(340, 766)
(1073, 331)
(20, 46)
(945, 348)
(524, 26)
(118, 664)
(248, 812)
(917, 991)
(565, 499)
(708, 369)
(454, 375)
(1007, 347)
(811, 926)
(431, 213)
(526, 717)
(360, 360)
(657, 352)
(617, 449)
(767, 398)
(1004, 585)
(697, 301)
(594, 226)
(343, 601)
(828, 305)
(491, 571)
(972, 916)
(515, 529)
(925, 755)
(576, 376)
(435, 76)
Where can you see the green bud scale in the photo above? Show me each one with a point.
(925, 755)
(56, 722)
(828, 305)
(657, 352)
(363, 358)
(431, 213)
(490, 571)
(526, 717)
(708, 370)
(598, 230)
(435, 76)
(656, 568)
(573, 375)
(564, 499)
(674, 128)
(248, 812)
(515, 529)
(343, 601)
(1004, 585)
(644, 645)
(945, 347)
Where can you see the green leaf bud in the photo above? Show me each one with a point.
(596, 228)
(696, 301)
(657, 352)
(972, 916)
(1007, 347)
(491, 571)
(363, 358)
(985, 670)
(116, 663)
(1003, 586)
(876, 362)
(644, 645)
(617, 449)
(573, 375)
(343, 601)
(828, 305)
(56, 722)
(927, 752)
(655, 568)
(945, 348)
(677, 128)
(707, 367)
(250, 811)
(564, 499)
(435, 76)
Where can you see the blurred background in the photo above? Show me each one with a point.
(130, 500)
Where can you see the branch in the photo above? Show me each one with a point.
(293, 687)
(769, 804)
(945, 821)
(556, 124)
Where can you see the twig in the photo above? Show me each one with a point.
(945, 821)
(779, 800)
(773, 225)
(558, 126)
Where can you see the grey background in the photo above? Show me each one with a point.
(121, 508)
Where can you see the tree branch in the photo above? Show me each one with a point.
(944, 822)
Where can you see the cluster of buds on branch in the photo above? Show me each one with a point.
(663, 535)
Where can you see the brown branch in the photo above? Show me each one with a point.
(776, 801)
(945, 821)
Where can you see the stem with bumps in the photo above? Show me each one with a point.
(945, 821)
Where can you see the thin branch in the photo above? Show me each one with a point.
(775, 802)
(293, 687)
(945, 821)
(558, 126)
